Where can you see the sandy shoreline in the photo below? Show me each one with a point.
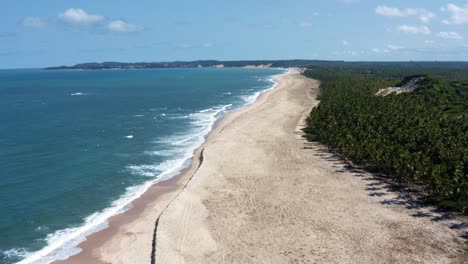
(264, 195)
(129, 236)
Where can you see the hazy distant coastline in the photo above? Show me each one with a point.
(192, 64)
(296, 63)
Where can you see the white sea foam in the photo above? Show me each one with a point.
(250, 99)
(14, 253)
(74, 94)
(175, 116)
(62, 244)
(129, 136)
(183, 145)
(42, 228)
(165, 152)
(158, 109)
(206, 110)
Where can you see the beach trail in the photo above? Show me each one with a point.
(265, 195)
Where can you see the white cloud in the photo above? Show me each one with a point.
(423, 15)
(388, 49)
(421, 30)
(207, 45)
(394, 47)
(123, 27)
(390, 11)
(459, 15)
(450, 35)
(426, 17)
(346, 43)
(35, 22)
(377, 50)
(305, 24)
(79, 16)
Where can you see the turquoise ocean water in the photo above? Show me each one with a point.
(77, 146)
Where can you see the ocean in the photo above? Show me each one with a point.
(76, 147)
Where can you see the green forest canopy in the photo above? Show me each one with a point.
(418, 138)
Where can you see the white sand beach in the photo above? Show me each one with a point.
(264, 195)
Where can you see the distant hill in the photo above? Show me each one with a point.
(445, 70)
(193, 64)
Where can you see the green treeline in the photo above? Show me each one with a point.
(418, 138)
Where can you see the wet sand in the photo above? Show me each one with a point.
(129, 236)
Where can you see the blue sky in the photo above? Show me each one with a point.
(56, 32)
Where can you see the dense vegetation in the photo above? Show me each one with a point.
(419, 139)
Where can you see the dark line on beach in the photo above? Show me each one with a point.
(200, 160)
(156, 224)
(153, 243)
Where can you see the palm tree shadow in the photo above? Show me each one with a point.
(380, 185)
